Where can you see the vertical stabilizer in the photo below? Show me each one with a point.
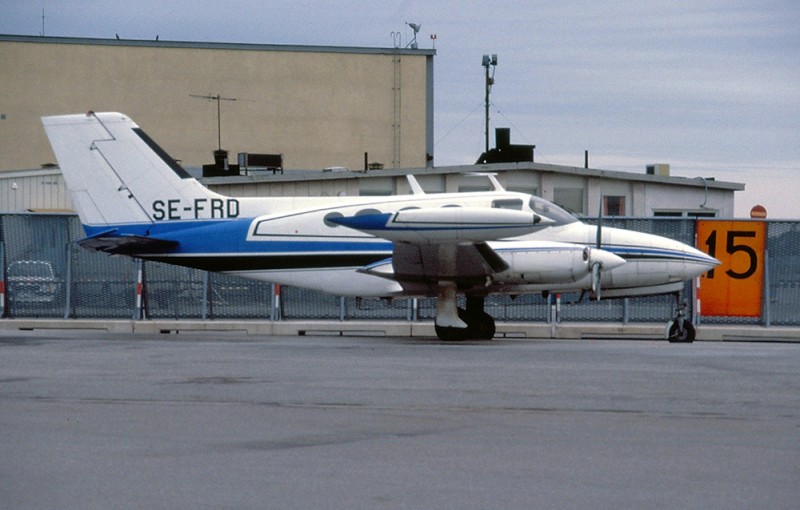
(117, 175)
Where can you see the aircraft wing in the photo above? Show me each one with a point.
(443, 244)
(413, 265)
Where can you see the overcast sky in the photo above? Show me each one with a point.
(711, 87)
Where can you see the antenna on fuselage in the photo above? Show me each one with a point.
(496, 186)
(416, 189)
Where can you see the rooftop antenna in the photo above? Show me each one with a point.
(218, 98)
(489, 61)
(415, 27)
(42, 21)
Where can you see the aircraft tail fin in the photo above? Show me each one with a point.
(116, 174)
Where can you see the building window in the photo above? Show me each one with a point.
(613, 206)
(570, 199)
(379, 186)
(685, 214)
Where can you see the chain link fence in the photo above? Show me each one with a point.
(45, 274)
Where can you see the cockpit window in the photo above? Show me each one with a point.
(551, 211)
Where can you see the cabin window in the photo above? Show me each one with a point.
(508, 203)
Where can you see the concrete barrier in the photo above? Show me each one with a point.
(646, 331)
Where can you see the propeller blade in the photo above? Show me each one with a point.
(596, 277)
(599, 239)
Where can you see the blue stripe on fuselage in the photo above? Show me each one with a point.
(230, 236)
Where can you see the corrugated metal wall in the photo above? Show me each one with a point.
(34, 190)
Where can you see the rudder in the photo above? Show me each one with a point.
(116, 174)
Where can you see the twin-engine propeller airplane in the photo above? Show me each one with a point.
(133, 199)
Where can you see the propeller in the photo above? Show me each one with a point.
(599, 260)
(597, 265)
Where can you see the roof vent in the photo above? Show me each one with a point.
(658, 169)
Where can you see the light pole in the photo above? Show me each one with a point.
(487, 62)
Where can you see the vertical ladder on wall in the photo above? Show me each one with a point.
(396, 93)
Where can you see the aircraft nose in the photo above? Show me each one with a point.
(698, 262)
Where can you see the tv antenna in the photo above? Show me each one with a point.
(218, 98)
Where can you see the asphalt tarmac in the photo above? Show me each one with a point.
(97, 420)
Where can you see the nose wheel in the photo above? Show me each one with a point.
(681, 329)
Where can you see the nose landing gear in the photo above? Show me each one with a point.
(680, 329)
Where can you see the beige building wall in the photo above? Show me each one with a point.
(318, 106)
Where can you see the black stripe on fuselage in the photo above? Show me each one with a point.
(220, 263)
(651, 258)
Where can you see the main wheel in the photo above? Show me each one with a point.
(480, 326)
(678, 336)
(448, 334)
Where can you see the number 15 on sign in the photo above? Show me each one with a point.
(735, 287)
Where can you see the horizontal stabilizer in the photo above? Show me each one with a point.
(128, 245)
(445, 224)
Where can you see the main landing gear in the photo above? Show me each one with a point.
(681, 329)
(458, 324)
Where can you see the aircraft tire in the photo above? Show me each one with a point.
(685, 336)
(480, 326)
(447, 334)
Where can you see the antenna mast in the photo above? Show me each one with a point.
(218, 98)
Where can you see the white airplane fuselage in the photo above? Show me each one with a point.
(546, 260)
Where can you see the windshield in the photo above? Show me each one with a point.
(30, 270)
(551, 211)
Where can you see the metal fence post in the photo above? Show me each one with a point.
(766, 298)
(625, 311)
(68, 281)
(342, 308)
(206, 301)
(275, 302)
(3, 311)
(139, 305)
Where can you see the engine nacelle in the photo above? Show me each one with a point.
(551, 263)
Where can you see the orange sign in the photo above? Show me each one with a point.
(735, 287)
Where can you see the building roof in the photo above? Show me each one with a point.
(304, 175)
(153, 43)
